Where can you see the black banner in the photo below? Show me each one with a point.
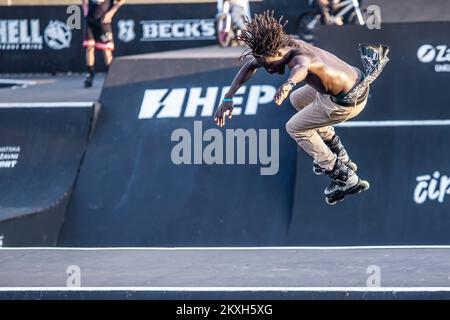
(401, 147)
(42, 39)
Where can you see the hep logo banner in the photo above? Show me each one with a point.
(197, 101)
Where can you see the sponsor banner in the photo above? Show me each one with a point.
(435, 187)
(27, 34)
(46, 39)
(177, 30)
(201, 101)
(438, 56)
(38, 39)
(43, 39)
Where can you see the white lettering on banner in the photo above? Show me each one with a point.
(20, 34)
(170, 103)
(173, 30)
(434, 187)
(57, 35)
(25, 34)
(9, 156)
(439, 54)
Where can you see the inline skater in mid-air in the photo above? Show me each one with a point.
(334, 92)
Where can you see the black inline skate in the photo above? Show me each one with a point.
(88, 81)
(344, 182)
(338, 149)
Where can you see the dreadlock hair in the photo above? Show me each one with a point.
(264, 35)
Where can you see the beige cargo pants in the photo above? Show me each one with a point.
(312, 124)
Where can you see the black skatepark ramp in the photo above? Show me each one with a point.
(41, 147)
(133, 191)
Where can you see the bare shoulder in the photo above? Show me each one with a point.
(299, 59)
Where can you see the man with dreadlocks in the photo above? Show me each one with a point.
(334, 92)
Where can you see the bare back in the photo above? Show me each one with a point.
(326, 73)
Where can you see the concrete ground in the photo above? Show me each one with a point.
(48, 88)
(228, 268)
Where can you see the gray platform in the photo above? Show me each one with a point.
(273, 273)
(47, 88)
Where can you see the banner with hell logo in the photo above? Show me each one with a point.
(40, 38)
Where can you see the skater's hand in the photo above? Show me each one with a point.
(282, 93)
(221, 113)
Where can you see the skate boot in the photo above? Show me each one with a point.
(89, 80)
(338, 149)
(344, 182)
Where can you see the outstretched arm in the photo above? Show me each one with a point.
(298, 73)
(226, 106)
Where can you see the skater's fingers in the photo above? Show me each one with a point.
(219, 116)
(280, 101)
(230, 114)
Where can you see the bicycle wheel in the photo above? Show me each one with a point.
(224, 34)
(306, 25)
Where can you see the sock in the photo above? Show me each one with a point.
(91, 71)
